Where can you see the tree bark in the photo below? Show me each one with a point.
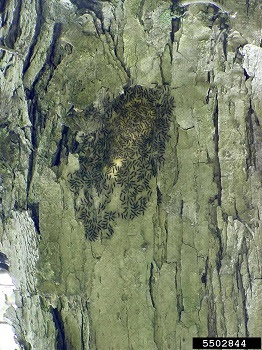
(168, 95)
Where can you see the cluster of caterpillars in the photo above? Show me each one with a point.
(118, 161)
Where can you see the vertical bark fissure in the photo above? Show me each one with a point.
(248, 6)
(175, 26)
(179, 295)
(37, 30)
(120, 59)
(166, 234)
(14, 29)
(161, 70)
(34, 213)
(59, 326)
(140, 12)
(181, 208)
(242, 292)
(246, 252)
(36, 118)
(223, 323)
(217, 170)
(31, 161)
(224, 42)
(211, 312)
(150, 285)
(250, 159)
(153, 303)
(205, 274)
(61, 145)
(49, 63)
(92, 343)
(82, 327)
(220, 250)
(2, 5)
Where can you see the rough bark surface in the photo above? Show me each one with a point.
(191, 264)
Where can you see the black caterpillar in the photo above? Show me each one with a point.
(121, 157)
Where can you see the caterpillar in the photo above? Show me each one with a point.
(121, 156)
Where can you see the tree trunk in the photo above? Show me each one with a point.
(130, 171)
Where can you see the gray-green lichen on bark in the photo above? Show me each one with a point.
(191, 265)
